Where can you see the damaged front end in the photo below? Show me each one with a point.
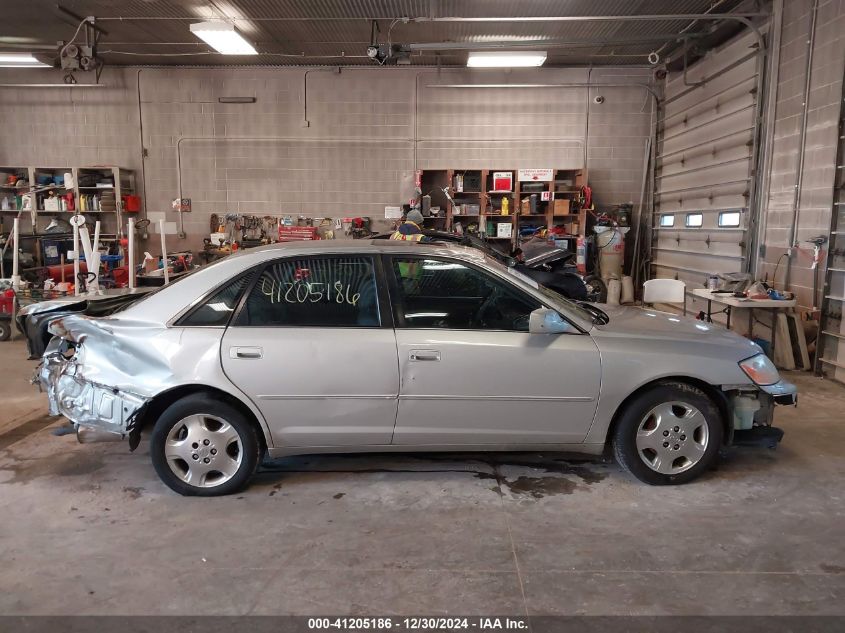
(72, 373)
(751, 410)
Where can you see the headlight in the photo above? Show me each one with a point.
(760, 369)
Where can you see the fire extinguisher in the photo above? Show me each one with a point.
(581, 255)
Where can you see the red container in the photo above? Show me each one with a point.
(55, 272)
(7, 301)
(297, 233)
(121, 276)
(132, 204)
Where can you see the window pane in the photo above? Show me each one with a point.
(320, 291)
(217, 310)
(439, 293)
(667, 220)
(695, 219)
(729, 218)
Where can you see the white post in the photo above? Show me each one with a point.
(163, 253)
(16, 278)
(85, 239)
(75, 259)
(130, 255)
(96, 236)
(94, 266)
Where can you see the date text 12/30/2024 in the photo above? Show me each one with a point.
(421, 623)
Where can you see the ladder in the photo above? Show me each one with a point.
(830, 344)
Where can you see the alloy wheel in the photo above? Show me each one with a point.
(203, 450)
(672, 437)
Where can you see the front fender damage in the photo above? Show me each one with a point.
(99, 376)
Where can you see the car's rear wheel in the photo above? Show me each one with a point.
(668, 435)
(204, 447)
(5, 330)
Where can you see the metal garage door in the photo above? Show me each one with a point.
(704, 176)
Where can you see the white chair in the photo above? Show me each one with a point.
(664, 291)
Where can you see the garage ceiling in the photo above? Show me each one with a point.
(291, 32)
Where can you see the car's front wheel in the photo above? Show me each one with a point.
(5, 330)
(668, 435)
(205, 447)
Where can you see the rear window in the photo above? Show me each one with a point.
(216, 311)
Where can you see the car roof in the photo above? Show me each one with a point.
(316, 247)
(161, 306)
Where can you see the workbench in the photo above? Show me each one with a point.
(731, 302)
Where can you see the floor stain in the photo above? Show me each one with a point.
(134, 492)
(832, 569)
(539, 487)
(483, 466)
(72, 465)
(339, 495)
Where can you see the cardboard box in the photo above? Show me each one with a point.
(560, 206)
(504, 229)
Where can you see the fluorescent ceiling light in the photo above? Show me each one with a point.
(223, 38)
(20, 60)
(502, 59)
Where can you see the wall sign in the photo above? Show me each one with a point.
(536, 175)
(181, 204)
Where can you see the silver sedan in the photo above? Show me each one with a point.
(336, 347)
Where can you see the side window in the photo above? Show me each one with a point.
(694, 220)
(216, 310)
(439, 293)
(318, 291)
(729, 218)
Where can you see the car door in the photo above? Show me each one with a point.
(313, 346)
(470, 372)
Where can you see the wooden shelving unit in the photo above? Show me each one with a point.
(478, 206)
(46, 188)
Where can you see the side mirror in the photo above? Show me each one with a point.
(547, 321)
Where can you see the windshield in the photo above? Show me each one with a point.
(584, 313)
(555, 297)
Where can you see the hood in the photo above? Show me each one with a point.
(540, 255)
(642, 323)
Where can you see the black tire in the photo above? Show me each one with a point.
(5, 330)
(596, 289)
(206, 405)
(624, 440)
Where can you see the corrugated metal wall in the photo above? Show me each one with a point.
(705, 165)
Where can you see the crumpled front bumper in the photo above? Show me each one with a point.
(84, 402)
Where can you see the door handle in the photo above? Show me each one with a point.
(424, 354)
(246, 352)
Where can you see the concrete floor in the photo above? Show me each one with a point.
(90, 530)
